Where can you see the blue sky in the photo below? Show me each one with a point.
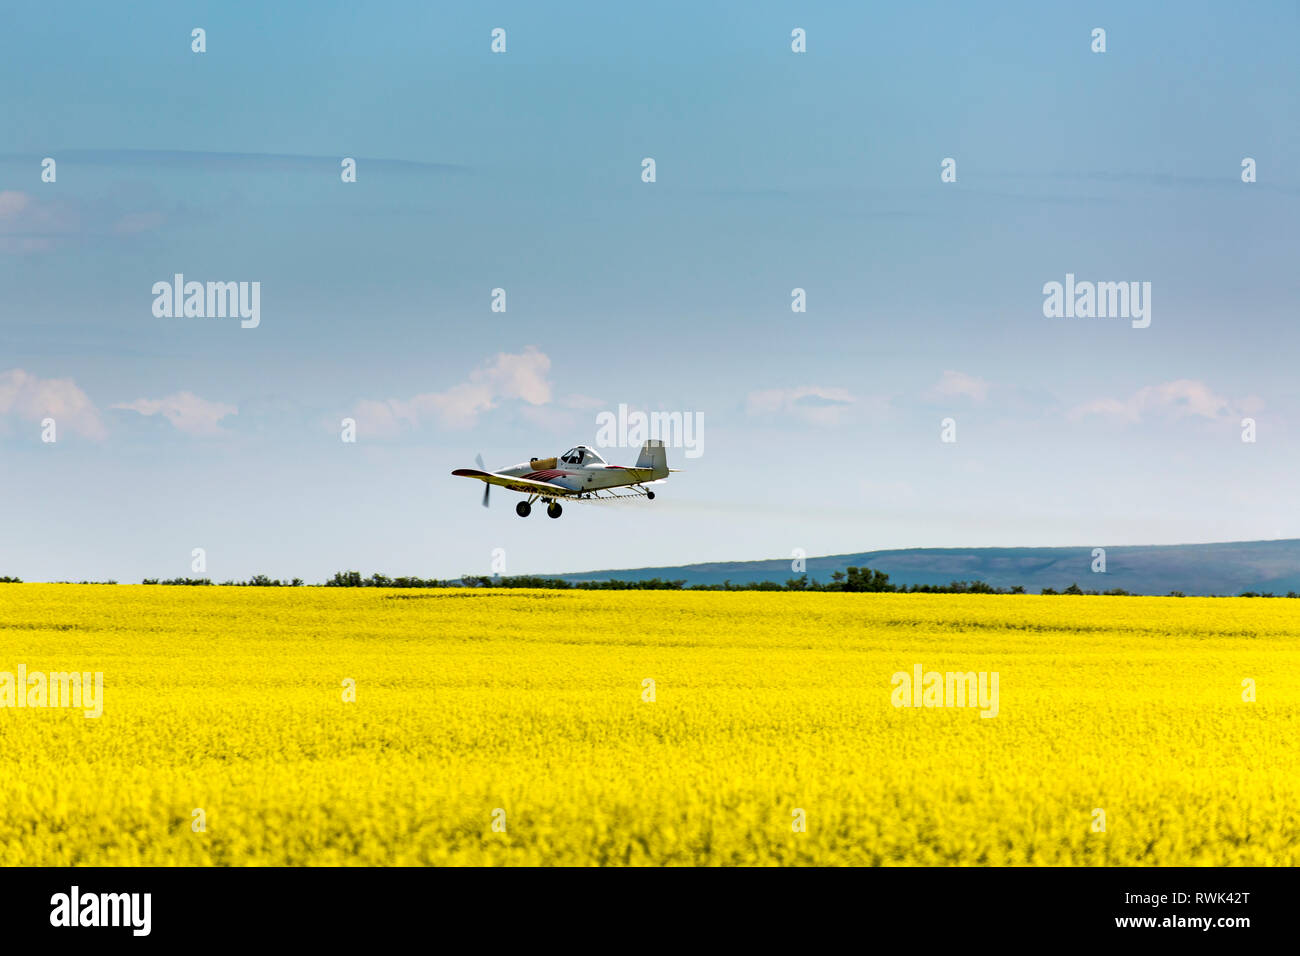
(522, 171)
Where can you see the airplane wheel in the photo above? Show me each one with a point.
(553, 510)
(523, 509)
(650, 495)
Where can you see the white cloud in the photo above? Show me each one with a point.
(185, 410)
(960, 385)
(13, 204)
(31, 225)
(32, 398)
(518, 376)
(815, 404)
(506, 376)
(1184, 398)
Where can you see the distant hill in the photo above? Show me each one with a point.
(1227, 568)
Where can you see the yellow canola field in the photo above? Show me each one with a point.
(515, 727)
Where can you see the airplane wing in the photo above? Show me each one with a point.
(523, 485)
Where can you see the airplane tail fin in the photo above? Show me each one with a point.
(655, 457)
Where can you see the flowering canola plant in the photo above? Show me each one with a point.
(338, 726)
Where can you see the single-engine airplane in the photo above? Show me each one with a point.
(578, 475)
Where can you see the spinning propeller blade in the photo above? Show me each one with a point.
(487, 488)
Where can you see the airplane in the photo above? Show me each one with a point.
(580, 474)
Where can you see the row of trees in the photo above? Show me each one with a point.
(256, 581)
(852, 579)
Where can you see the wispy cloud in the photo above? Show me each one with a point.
(520, 377)
(31, 225)
(212, 159)
(186, 411)
(815, 404)
(569, 414)
(1184, 398)
(31, 398)
(959, 385)
(1142, 178)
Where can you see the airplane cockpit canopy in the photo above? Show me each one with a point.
(581, 455)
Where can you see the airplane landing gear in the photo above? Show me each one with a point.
(553, 510)
(523, 509)
(650, 495)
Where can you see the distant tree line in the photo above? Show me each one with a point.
(256, 581)
(852, 579)
(8, 580)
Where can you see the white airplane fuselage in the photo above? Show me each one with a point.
(580, 473)
(577, 477)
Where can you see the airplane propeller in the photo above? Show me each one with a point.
(487, 488)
